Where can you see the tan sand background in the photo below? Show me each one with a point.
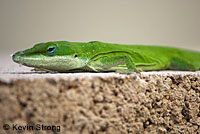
(161, 22)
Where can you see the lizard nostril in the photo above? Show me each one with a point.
(12, 55)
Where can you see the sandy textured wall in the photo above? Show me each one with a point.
(132, 104)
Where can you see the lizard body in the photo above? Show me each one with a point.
(95, 56)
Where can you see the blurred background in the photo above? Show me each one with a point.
(24, 23)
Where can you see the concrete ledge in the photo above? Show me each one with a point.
(102, 103)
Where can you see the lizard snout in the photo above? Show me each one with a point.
(16, 56)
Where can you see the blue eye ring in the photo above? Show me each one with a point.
(51, 50)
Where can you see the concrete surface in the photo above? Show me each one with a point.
(163, 102)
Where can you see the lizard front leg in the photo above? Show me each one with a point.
(119, 62)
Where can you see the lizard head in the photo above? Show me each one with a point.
(55, 56)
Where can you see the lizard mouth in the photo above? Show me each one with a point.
(58, 63)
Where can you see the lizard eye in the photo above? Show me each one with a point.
(51, 50)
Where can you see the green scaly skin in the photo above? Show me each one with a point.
(95, 56)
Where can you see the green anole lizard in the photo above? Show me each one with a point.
(95, 56)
